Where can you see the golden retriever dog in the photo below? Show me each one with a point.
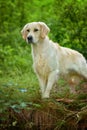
(50, 60)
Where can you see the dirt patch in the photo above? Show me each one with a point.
(52, 115)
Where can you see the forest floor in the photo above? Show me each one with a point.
(63, 112)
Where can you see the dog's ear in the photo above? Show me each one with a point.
(44, 29)
(23, 32)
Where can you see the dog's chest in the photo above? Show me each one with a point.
(41, 66)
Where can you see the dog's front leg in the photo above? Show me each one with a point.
(53, 77)
(42, 83)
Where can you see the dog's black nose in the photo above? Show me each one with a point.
(30, 38)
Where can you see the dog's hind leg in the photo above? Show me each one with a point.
(83, 71)
(53, 77)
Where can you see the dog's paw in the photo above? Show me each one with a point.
(45, 95)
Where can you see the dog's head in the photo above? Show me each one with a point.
(34, 32)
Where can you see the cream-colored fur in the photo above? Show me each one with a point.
(50, 60)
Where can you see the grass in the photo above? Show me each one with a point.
(18, 82)
(21, 106)
(25, 88)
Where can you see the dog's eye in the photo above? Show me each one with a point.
(35, 30)
(28, 30)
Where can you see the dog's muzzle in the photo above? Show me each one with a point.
(30, 39)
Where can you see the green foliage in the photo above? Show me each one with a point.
(14, 59)
(71, 24)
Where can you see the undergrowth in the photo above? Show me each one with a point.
(20, 101)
